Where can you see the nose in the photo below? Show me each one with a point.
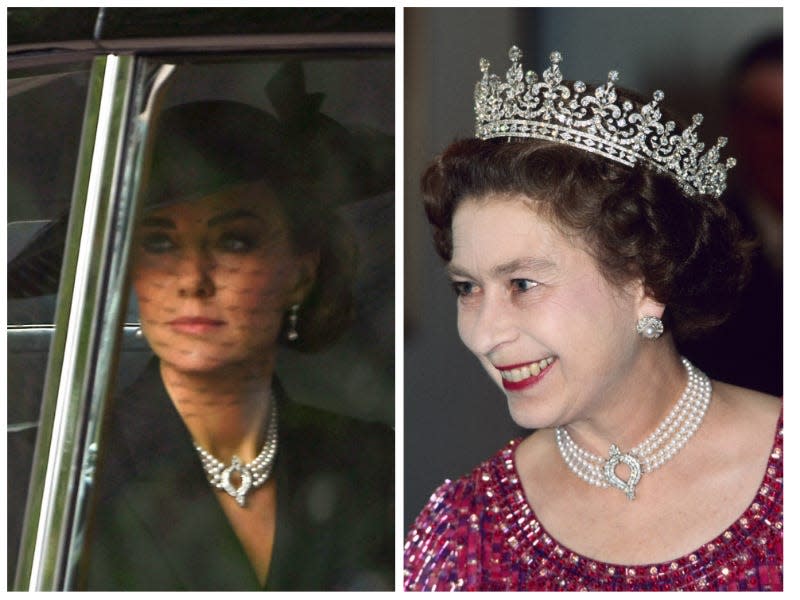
(489, 325)
(195, 274)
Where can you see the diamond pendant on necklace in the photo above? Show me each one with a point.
(616, 457)
(245, 480)
(251, 475)
(670, 436)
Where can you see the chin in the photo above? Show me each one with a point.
(197, 358)
(192, 365)
(529, 413)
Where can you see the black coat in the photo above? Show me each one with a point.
(160, 527)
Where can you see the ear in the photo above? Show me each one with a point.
(646, 305)
(306, 266)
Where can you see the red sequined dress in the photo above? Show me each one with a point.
(479, 533)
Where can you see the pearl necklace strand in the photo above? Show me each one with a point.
(251, 475)
(670, 436)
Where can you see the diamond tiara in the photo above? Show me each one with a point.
(522, 106)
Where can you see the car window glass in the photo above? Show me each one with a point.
(45, 114)
(221, 245)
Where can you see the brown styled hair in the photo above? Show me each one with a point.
(636, 223)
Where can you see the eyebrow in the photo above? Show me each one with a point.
(158, 222)
(233, 215)
(227, 217)
(507, 268)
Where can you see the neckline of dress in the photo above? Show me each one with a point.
(518, 506)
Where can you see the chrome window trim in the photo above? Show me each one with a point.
(144, 91)
(51, 501)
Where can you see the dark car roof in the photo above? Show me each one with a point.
(118, 28)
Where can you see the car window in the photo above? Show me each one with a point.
(325, 122)
(45, 116)
(354, 91)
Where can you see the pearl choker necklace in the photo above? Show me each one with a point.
(668, 438)
(251, 475)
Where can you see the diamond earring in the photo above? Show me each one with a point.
(291, 332)
(650, 328)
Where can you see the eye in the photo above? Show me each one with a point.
(523, 285)
(237, 243)
(463, 289)
(157, 243)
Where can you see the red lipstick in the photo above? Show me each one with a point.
(513, 386)
(509, 367)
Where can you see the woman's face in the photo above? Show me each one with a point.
(536, 311)
(215, 277)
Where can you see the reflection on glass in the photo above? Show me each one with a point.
(256, 209)
(45, 112)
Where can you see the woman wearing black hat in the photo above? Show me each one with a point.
(214, 479)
